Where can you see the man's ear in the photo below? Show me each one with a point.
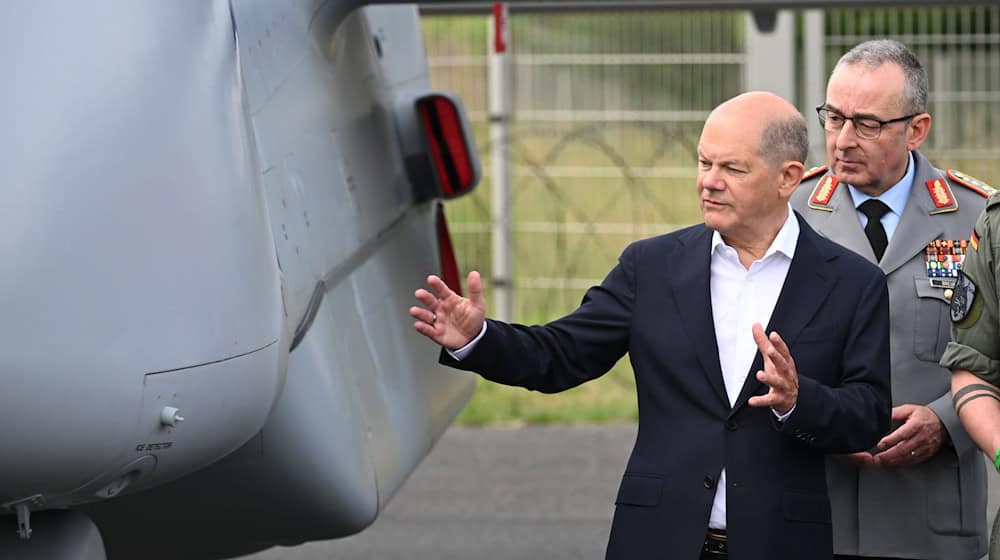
(917, 131)
(790, 177)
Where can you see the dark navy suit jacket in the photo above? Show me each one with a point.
(655, 305)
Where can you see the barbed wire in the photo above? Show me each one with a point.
(632, 187)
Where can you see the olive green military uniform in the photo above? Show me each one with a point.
(975, 330)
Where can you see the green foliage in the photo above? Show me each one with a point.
(608, 399)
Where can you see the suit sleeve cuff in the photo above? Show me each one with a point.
(783, 417)
(460, 353)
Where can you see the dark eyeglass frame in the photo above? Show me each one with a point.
(822, 110)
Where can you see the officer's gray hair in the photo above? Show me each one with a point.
(875, 53)
(785, 139)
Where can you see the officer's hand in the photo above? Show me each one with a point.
(778, 374)
(860, 459)
(448, 318)
(915, 441)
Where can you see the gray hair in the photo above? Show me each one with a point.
(785, 139)
(875, 53)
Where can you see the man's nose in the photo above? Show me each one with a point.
(710, 180)
(847, 136)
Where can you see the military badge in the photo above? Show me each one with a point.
(943, 259)
(941, 196)
(974, 240)
(823, 193)
(963, 299)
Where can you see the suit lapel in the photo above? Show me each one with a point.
(914, 231)
(693, 296)
(842, 223)
(806, 287)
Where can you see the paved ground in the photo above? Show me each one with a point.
(500, 494)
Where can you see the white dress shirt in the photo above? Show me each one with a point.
(740, 298)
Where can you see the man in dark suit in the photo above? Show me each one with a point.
(734, 420)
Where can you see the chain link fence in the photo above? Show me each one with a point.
(608, 107)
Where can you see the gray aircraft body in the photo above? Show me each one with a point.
(215, 213)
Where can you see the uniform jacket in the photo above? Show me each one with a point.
(655, 305)
(936, 509)
(975, 309)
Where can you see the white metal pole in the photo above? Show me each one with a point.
(770, 62)
(500, 110)
(815, 84)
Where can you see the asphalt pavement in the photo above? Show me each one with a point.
(501, 494)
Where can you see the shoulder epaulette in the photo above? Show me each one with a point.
(814, 172)
(942, 196)
(823, 193)
(993, 200)
(971, 183)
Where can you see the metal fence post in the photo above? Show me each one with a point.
(771, 56)
(499, 111)
(814, 90)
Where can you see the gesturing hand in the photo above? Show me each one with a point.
(446, 317)
(778, 374)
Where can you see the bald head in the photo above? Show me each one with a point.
(779, 126)
(749, 163)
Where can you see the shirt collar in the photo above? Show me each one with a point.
(895, 198)
(784, 242)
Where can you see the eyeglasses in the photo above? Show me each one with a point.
(868, 128)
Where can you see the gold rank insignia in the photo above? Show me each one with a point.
(823, 193)
(971, 183)
(814, 172)
(941, 195)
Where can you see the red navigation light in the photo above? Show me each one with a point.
(447, 138)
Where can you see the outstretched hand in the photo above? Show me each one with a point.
(446, 317)
(779, 372)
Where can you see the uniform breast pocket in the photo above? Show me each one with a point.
(931, 323)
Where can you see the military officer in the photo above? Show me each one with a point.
(921, 492)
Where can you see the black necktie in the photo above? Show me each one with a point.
(875, 209)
